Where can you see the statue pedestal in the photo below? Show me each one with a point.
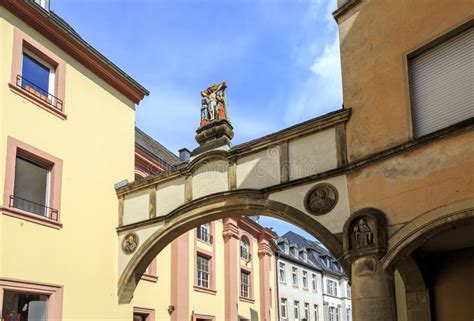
(213, 135)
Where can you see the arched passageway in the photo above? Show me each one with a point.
(222, 205)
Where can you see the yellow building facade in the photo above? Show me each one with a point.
(58, 256)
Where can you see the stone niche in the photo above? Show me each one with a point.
(365, 233)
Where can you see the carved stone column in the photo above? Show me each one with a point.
(265, 254)
(231, 237)
(365, 242)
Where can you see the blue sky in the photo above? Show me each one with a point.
(280, 59)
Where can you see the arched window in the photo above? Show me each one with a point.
(203, 232)
(244, 248)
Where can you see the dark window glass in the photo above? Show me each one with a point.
(31, 186)
(35, 75)
(24, 306)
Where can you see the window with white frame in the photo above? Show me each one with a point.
(305, 279)
(349, 314)
(348, 290)
(282, 272)
(294, 274)
(297, 310)
(306, 311)
(37, 76)
(244, 248)
(333, 314)
(441, 81)
(305, 256)
(331, 287)
(283, 308)
(203, 233)
(203, 271)
(314, 282)
(244, 284)
(316, 312)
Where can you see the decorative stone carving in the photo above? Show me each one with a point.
(130, 243)
(365, 233)
(215, 130)
(321, 199)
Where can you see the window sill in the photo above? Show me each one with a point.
(37, 219)
(150, 278)
(248, 300)
(204, 290)
(37, 101)
(203, 242)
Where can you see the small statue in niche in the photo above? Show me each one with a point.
(213, 104)
(130, 243)
(363, 234)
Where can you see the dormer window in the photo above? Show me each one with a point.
(305, 256)
(285, 248)
(43, 3)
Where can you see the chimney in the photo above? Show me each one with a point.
(184, 154)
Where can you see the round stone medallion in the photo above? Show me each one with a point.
(321, 199)
(130, 243)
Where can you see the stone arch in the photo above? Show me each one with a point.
(412, 236)
(213, 207)
(425, 226)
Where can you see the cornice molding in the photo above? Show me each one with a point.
(76, 47)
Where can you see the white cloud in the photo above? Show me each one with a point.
(327, 65)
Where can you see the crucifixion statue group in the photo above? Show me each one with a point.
(213, 103)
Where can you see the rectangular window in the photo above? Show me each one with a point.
(245, 284)
(295, 276)
(31, 186)
(282, 272)
(331, 287)
(441, 81)
(297, 310)
(37, 76)
(316, 312)
(349, 315)
(203, 271)
(22, 300)
(348, 291)
(314, 282)
(305, 279)
(283, 308)
(306, 311)
(141, 314)
(25, 306)
(332, 314)
(203, 233)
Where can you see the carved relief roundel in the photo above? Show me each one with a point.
(321, 199)
(130, 243)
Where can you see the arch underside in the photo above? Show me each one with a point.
(211, 208)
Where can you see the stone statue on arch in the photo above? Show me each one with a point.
(214, 103)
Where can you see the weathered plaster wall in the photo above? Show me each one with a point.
(375, 37)
(411, 184)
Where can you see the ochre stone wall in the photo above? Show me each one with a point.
(376, 37)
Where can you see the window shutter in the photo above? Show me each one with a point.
(442, 84)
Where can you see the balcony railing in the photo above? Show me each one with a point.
(38, 92)
(35, 208)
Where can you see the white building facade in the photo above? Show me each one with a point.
(311, 284)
